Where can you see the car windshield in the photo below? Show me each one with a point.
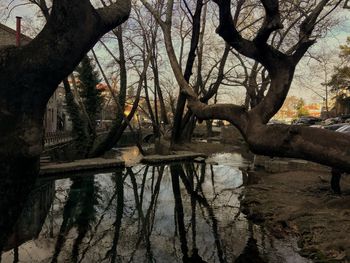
(334, 127)
(345, 128)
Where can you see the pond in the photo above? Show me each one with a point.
(181, 212)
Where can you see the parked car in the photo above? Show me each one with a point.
(331, 121)
(334, 127)
(306, 121)
(344, 118)
(344, 129)
(272, 122)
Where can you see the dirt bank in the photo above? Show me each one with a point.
(301, 203)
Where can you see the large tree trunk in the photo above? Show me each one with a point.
(176, 136)
(30, 74)
(21, 138)
(313, 144)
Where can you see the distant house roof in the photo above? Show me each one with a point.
(12, 31)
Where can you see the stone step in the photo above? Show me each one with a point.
(45, 159)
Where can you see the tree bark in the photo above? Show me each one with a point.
(176, 136)
(318, 145)
(30, 74)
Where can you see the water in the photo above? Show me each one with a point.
(185, 212)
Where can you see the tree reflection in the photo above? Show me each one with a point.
(197, 196)
(146, 221)
(251, 252)
(78, 212)
(179, 211)
(119, 189)
(129, 216)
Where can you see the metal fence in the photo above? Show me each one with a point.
(55, 138)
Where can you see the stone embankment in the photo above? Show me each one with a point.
(80, 166)
(280, 165)
(178, 156)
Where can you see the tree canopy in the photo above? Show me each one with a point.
(260, 45)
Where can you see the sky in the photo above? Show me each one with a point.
(308, 77)
(330, 46)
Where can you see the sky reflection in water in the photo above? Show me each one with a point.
(186, 212)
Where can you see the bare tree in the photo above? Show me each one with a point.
(279, 140)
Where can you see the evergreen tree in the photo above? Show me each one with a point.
(340, 79)
(84, 116)
(91, 96)
(79, 124)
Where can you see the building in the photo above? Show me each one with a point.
(314, 109)
(10, 37)
(289, 110)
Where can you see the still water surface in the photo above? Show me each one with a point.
(184, 212)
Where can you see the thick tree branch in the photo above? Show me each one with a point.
(115, 14)
(229, 33)
(273, 101)
(301, 142)
(263, 53)
(271, 23)
(235, 114)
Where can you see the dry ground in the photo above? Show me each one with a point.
(301, 203)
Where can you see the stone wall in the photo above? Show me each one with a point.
(280, 165)
(8, 37)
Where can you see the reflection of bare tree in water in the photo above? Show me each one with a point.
(146, 221)
(118, 193)
(87, 214)
(179, 211)
(197, 196)
(119, 188)
(251, 252)
(78, 211)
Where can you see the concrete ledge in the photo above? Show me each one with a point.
(81, 166)
(279, 165)
(176, 157)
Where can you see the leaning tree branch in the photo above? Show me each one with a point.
(295, 141)
(229, 33)
(115, 14)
